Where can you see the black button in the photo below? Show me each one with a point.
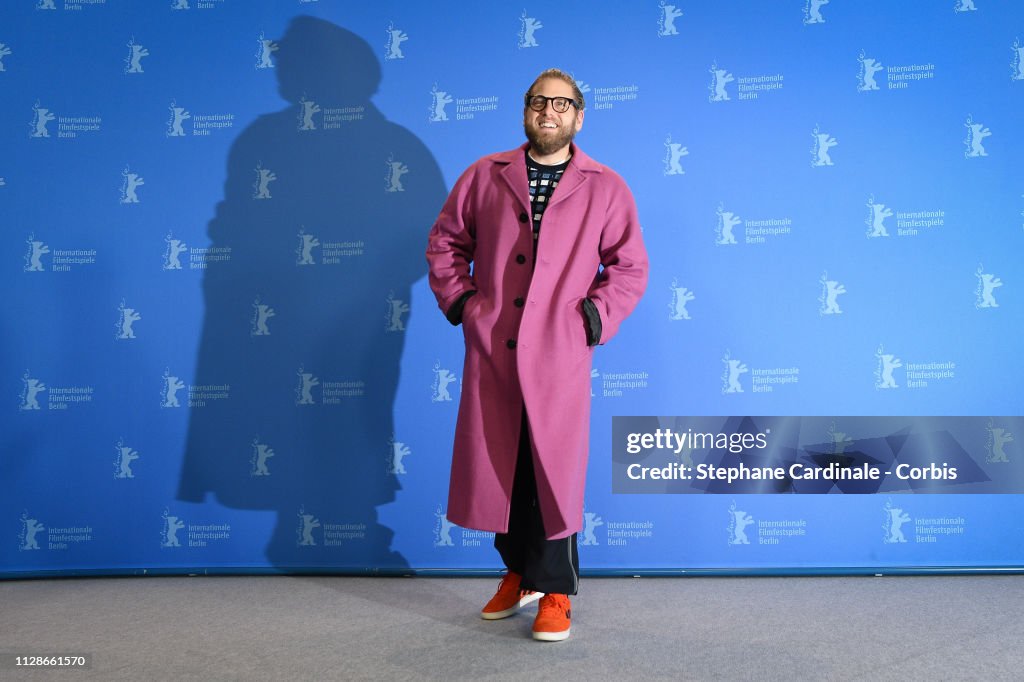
(520, 302)
(520, 259)
(511, 343)
(523, 217)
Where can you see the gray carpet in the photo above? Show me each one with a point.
(327, 628)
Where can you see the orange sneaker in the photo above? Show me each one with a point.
(553, 617)
(509, 598)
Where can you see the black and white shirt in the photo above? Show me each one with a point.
(543, 181)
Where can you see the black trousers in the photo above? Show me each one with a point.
(549, 566)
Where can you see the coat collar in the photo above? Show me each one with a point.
(580, 160)
(514, 174)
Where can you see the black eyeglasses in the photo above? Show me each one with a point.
(559, 104)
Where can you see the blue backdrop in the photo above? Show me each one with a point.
(219, 350)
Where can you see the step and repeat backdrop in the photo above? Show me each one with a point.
(219, 351)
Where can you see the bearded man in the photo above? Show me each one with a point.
(558, 263)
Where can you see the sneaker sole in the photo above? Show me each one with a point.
(498, 615)
(551, 636)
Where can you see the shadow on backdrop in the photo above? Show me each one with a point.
(306, 320)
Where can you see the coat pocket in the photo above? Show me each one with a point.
(470, 325)
(577, 321)
(469, 308)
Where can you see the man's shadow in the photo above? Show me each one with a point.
(325, 212)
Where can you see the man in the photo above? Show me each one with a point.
(538, 223)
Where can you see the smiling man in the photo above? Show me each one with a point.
(558, 263)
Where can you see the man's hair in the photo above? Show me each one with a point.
(562, 76)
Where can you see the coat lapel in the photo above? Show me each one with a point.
(514, 176)
(571, 181)
(575, 175)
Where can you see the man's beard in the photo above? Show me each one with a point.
(548, 144)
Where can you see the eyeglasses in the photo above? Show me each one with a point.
(559, 104)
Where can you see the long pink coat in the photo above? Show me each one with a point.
(535, 353)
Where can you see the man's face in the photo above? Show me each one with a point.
(549, 131)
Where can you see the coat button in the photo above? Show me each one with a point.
(520, 302)
(511, 343)
(520, 258)
(523, 217)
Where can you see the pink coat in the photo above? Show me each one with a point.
(536, 353)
